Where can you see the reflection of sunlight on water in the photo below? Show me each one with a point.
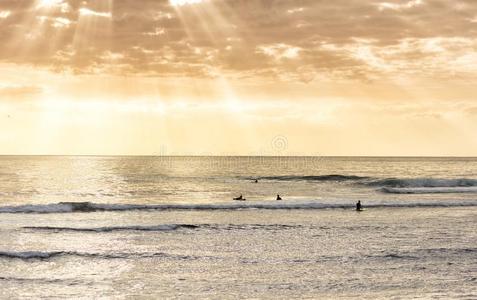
(209, 180)
(73, 178)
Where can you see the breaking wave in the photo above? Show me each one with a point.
(423, 183)
(85, 207)
(429, 190)
(392, 185)
(380, 182)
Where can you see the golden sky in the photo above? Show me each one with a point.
(247, 77)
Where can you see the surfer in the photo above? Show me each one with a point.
(256, 181)
(240, 198)
(358, 205)
(279, 198)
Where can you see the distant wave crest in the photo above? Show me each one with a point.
(49, 255)
(423, 182)
(425, 185)
(167, 227)
(332, 177)
(392, 185)
(44, 255)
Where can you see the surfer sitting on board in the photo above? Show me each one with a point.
(279, 198)
(358, 205)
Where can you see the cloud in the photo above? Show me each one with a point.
(399, 6)
(88, 12)
(295, 10)
(348, 39)
(17, 92)
(280, 51)
(5, 14)
(183, 2)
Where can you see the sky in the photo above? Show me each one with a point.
(238, 77)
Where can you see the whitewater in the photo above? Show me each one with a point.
(167, 227)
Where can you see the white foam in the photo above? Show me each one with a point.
(424, 183)
(430, 190)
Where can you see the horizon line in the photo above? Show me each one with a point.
(223, 155)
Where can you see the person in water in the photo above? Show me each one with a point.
(358, 205)
(279, 198)
(256, 180)
(239, 198)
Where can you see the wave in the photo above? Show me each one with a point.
(167, 227)
(29, 280)
(332, 177)
(29, 254)
(48, 255)
(380, 182)
(423, 183)
(44, 255)
(395, 256)
(429, 190)
(451, 250)
(85, 207)
(422, 253)
(393, 185)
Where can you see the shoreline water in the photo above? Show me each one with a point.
(267, 254)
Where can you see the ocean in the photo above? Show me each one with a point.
(166, 227)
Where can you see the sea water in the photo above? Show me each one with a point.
(167, 227)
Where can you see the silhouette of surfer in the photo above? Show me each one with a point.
(358, 205)
(240, 198)
(279, 198)
(256, 181)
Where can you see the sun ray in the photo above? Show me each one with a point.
(205, 24)
(94, 30)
